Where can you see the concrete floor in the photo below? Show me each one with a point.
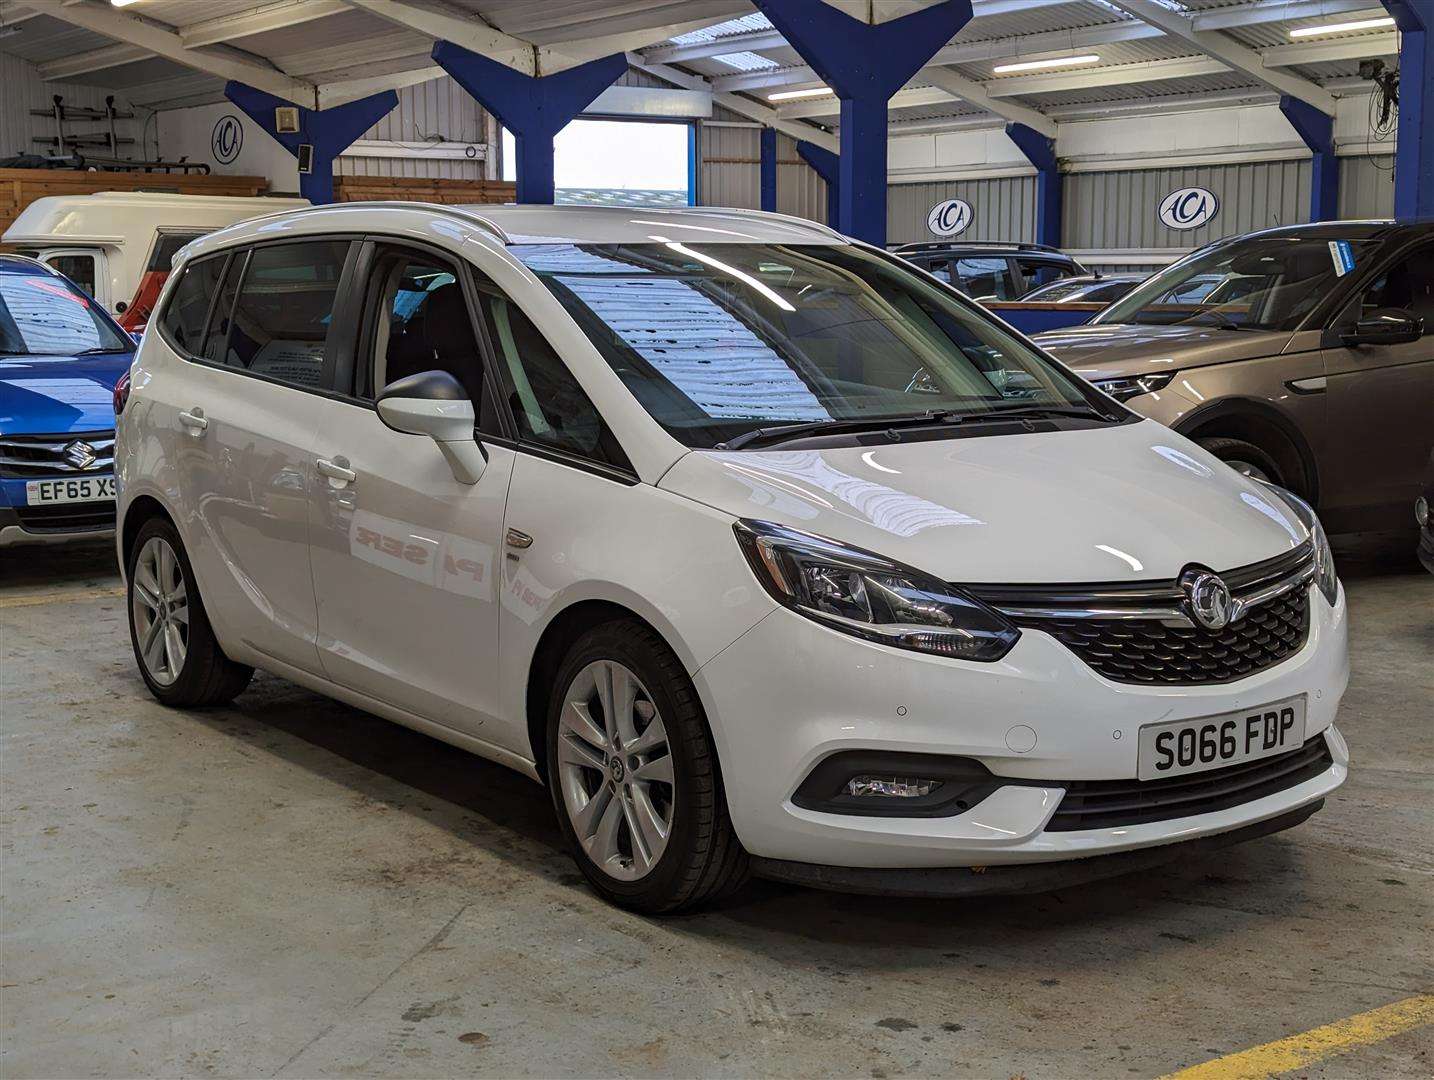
(291, 887)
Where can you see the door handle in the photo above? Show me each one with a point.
(194, 420)
(337, 469)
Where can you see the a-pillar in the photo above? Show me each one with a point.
(1414, 157)
(864, 65)
(329, 131)
(1040, 151)
(533, 107)
(1316, 128)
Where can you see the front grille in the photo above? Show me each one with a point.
(1114, 804)
(1138, 632)
(67, 517)
(1147, 651)
(47, 455)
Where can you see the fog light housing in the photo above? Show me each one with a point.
(891, 787)
(893, 783)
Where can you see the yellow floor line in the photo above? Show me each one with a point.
(37, 599)
(1297, 1051)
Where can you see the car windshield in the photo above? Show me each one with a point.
(1258, 283)
(718, 340)
(44, 315)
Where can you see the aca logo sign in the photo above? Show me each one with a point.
(950, 218)
(227, 139)
(1188, 208)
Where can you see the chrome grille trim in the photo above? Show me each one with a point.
(44, 455)
(1250, 586)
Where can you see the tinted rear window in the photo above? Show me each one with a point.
(188, 309)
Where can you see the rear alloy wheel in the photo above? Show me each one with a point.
(174, 645)
(634, 775)
(1245, 458)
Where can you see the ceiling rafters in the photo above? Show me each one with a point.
(1228, 51)
(257, 20)
(743, 106)
(464, 30)
(975, 93)
(163, 41)
(961, 52)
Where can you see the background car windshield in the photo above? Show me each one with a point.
(42, 315)
(1261, 283)
(718, 339)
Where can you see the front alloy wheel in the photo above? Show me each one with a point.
(634, 775)
(616, 770)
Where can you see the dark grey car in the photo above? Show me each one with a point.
(1303, 354)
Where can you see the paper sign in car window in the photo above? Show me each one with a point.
(1342, 255)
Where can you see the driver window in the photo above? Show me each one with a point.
(419, 321)
(1407, 285)
(986, 278)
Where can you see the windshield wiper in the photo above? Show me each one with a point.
(782, 432)
(92, 352)
(1025, 412)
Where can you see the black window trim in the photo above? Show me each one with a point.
(243, 252)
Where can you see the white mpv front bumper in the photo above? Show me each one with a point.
(791, 692)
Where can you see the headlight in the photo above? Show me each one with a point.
(1326, 576)
(1124, 389)
(860, 593)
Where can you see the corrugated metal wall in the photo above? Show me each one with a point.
(426, 112)
(25, 90)
(1366, 187)
(1002, 209)
(1119, 209)
(731, 173)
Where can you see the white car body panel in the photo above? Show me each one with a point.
(399, 593)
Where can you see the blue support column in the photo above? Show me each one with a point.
(1317, 130)
(1414, 158)
(1040, 151)
(533, 108)
(864, 65)
(828, 167)
(769, 170)
(328, 131)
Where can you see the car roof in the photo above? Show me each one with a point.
(1375, 229)
(543, 224)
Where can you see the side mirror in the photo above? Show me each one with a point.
(1386, 326)
(434, 403)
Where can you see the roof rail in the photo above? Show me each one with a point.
(1013, 245)
(741, 213)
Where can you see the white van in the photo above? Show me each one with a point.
(117, 245)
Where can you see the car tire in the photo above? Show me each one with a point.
(1245, 458)
(174, 645)
(700, 858)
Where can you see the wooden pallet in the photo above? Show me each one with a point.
(20, 187)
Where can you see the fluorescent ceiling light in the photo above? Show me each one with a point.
(123, 3)
(1037, 65)
(788, 95)
(1343, 27)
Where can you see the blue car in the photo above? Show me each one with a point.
(61, 358)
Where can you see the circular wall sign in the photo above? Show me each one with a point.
(1188, 208)
(227, 139)
(950, 218)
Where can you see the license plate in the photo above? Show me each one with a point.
(80, 489)
(1213, 742)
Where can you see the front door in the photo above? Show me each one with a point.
(405, 557)
(1381, 400)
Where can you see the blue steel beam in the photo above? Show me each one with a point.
(1316, 128)
(864, 65)
(1040, 151)
(828, 167)
(534, 109)
(769, 170)
(330, 131)
(1414, 157)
